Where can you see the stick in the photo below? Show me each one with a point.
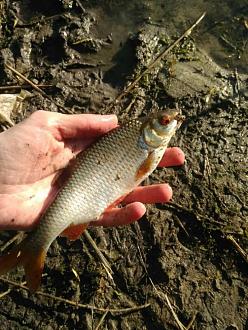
(179, 323)
(10, 241)
(159, 57)
(80, 5)
(74, 303)
(20, 75)
(191, 322)
(99, 254)
(10, 87)
(238, 248)
(160, 293)
(101, 321)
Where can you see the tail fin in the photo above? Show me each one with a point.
(31, 260)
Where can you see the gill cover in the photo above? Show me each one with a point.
(158, 129)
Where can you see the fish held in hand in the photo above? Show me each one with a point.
(101, 175)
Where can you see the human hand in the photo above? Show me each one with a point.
(34, 152)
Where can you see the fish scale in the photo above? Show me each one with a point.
(100, 176)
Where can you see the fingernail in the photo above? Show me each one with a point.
(107, 118)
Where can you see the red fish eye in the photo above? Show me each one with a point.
(165, 120)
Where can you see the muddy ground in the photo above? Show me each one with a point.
(183, 253)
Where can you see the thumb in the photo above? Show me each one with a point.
(85, 125)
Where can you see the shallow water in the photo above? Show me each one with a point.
(223, 33)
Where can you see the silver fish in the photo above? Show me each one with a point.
(104, 173)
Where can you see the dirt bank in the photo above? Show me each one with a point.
(183, 253)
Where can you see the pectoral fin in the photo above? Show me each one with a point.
(146, 167)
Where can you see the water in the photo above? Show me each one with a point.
(223, 33)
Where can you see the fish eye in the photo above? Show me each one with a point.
(164, 120)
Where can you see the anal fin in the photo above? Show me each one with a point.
(73, 232)
(115, 203)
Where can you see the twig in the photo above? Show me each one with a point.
(236, 86)
(20, 75)
(228, 43)
(206, 165)
(76, 304)
(243, 254)
(99, 254)
(159, 58)
(5, 293)
(191, 322)
(160, 293)
(179, 323)
(10, 87)
(181, 225)
(101, 321)
(80, 5)
(10, 241)
(81, 41)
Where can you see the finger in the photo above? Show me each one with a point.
(74, 126)
(172, 157)
(157, 193)
(121, 216)
(77, 145)
(86, 125)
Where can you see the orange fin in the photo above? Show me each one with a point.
(115, 203)
(33, 267)
(73, 232)
(31, 260)
(145, 167)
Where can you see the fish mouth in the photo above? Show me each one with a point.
(179, 118)
(170, 115)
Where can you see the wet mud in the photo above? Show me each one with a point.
(182, 256)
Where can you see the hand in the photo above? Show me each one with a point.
(34, 152)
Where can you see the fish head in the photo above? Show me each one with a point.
(158, 129)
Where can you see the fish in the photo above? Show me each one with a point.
(101, 176)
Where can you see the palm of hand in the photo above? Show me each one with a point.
(28, 173)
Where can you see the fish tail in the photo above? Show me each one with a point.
(32, 261)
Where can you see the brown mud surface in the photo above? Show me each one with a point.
(183, 253)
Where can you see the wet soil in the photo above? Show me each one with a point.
(88, 52)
